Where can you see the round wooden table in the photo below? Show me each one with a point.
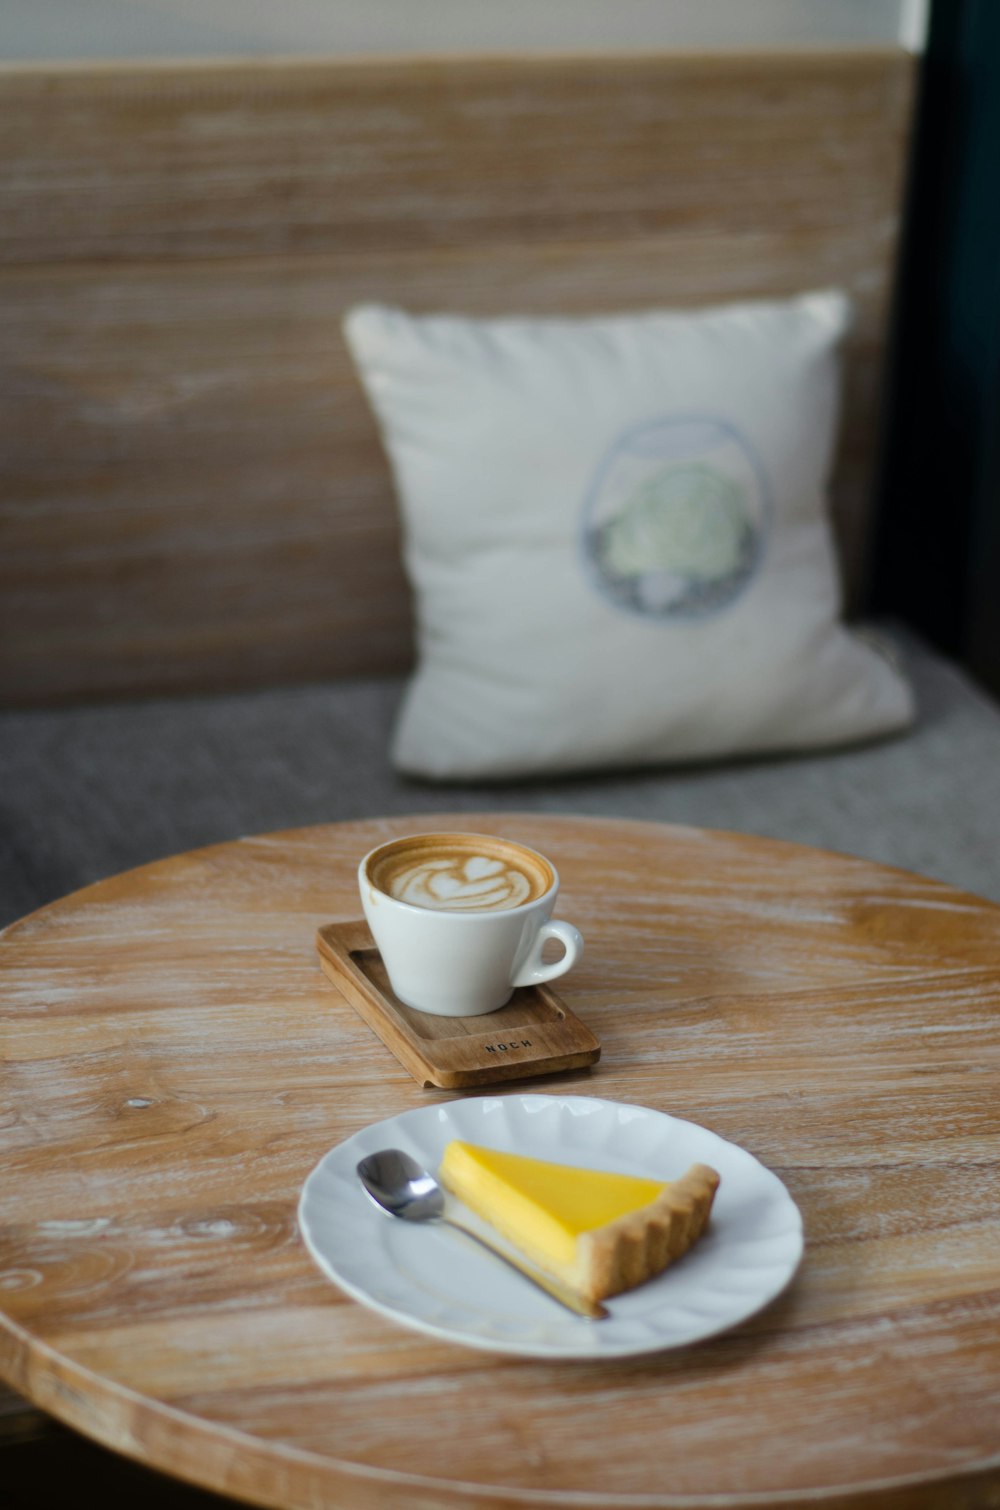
(177, 1063)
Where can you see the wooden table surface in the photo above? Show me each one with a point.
(176, 1063)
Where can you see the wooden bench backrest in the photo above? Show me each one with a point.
(194, 495)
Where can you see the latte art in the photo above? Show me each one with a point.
(472, 884)
(461, 874)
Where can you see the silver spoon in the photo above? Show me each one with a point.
(398, 1184)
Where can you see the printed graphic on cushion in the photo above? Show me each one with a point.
(675, 522)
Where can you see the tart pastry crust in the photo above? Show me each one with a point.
(636, 1247)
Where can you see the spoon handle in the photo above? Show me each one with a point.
(567, 1297)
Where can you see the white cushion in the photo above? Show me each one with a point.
(617, 537)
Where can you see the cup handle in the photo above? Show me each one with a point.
(533, 972)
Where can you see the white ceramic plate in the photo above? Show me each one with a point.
(435, 1280)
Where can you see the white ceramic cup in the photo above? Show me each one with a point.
(462, 953)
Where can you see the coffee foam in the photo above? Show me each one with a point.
(454, 873)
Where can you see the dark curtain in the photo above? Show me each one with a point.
(936, 551)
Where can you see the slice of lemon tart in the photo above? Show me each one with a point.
(599, 1233)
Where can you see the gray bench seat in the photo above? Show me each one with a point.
(91, 790)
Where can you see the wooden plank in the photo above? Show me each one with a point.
(246, 159)
(194, 493)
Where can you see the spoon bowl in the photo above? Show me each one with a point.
(398, 1184)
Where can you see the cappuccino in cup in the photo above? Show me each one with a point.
(460, 920)
(460, 873)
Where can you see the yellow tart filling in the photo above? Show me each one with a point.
(601, 1233)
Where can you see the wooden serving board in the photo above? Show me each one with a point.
(534, 1034)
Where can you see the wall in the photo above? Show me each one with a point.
(66, 29)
